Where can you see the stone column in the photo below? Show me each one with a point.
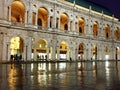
(67, 54)
(26, 17)
(9, 13)
(30, 17)
(54, 20)
(70, 52)
(89, 33)
(90, 56)
(36, 18)
(53, 47)
(59, 23)
(103, 53)
(76, 53)
(119, 54)
(1, 45)
(99, 55)
(2, 11)
(73, 25)
(47, 53)
(58, 53)
(85, 54)
(7, 52)
(68, 24)
(5, 11)
(29, 51)
(35, 54)
(73, 53)
(48, 22)
(53, 52)
(5, 48)
(25, 53)
(112, 53)
(76, 27)
(54, 16)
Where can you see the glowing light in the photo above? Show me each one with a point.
(40, 45)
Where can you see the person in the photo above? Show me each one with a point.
(11, 57)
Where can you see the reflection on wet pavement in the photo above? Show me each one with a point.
(61, 76)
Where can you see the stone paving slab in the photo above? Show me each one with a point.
(101, 75)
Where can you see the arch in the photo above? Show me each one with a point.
(94, 52)
(41, 49)
(81, 25)
(107, 51)
(63, 50)
(81, 51)
(107, 31)
(116, 33)
(17, 11)
(64, 21)
(33, 18)
(42, 17)
(16, 48)
(95, 28)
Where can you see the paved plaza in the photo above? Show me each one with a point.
(100, 75)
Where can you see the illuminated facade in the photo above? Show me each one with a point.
(56, 30)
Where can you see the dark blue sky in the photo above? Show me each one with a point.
(112, 5)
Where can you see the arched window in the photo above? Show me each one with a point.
(64, 21)
(17, 11)
(95, 28)
(116, 33)
(81, 25)
(43, 17)
(107, 31)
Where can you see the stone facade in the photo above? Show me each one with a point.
(55, 25)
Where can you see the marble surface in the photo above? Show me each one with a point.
(101, 75)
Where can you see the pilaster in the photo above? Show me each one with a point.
(29, 48)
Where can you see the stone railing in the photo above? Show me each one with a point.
(17, 24)
(42, 28)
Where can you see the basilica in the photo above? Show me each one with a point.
(57, 30)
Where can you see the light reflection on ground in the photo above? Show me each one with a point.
(61, 76)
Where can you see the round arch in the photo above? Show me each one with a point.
(116, 33)
(63, 50)
(42, 20)
(95, 28)
(17, 11)
(107, 31)
(81, 49)
(64, 21)
(81, 22)
(41, 49)
(94, 52)
(107, 53)
(16, 48)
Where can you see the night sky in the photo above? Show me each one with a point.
(112, 5)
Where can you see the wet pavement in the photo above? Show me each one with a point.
(102, 75)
